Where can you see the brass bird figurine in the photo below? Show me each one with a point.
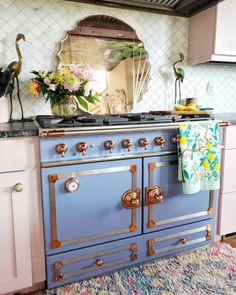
(11, 74)
(179, 75)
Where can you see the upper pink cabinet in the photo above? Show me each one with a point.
(212, 34)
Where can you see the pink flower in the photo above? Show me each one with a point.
(52, 87)
(47, 81)
(130, 281)
(232, 268)
(71, 82)
(78, 70)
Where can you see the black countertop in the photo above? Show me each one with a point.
(18, 129)
(229, 117)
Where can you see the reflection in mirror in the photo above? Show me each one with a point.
(117, 56)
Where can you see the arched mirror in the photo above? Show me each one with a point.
(118, 59)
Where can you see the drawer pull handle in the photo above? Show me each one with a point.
(99, 262)
(18, 187)
(183, 241)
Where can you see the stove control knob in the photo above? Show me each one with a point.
(82, 147)
(175, 139)
(61, 149)
(127, 143)
(160, 141)
(109, 145)
(144, 142)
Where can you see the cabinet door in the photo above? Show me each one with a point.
(228, 220)
(87, 204)
(15, 256)
(225, 38)
(165, 204)
(228, 183)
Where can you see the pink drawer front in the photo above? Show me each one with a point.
(228, 220)
(12, 155)
(230, 137)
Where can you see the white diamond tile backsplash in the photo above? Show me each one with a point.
(45, 22)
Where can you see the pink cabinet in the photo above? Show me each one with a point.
(227, 206)
(15, 257)
(212, 34)
(21, 228)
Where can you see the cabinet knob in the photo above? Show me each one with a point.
(82, 147)
(99, 262)
(127, 143)
(144, 142)
(160, 141)
(18, 187)
(175, 139)
(61, 149)
(109, 145)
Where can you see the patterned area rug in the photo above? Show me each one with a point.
(206, 271)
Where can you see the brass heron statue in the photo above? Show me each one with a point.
(8, 77)
(179, 76)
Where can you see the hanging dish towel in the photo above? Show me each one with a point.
(199, 158)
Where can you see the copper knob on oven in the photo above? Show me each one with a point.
(82, 147)
(160, 141)
(61, 149)
(127, 143)
(175, 139)
(183, 241)
(99, 262)
(144, 142)
(109, 145)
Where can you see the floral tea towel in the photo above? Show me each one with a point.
(199, 157)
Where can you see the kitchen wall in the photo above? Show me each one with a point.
(45, 22)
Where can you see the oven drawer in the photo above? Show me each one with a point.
(180, 239)
(165, 205)
(88, 204)
(84, 263)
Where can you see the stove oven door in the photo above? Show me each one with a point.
(165, 204)
(87, 204)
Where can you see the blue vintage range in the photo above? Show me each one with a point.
(111, 195)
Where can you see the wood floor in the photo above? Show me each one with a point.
(231, 241)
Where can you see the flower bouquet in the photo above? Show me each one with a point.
(69, 89)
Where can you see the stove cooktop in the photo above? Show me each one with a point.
(47, 121)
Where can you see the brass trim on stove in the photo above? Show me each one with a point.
(58, 132)
(151, 221)
(182, 242)
(151, 167)
(209, 232)
(55, 242)
(192, 242)
(99, 263)
(181, 218)
(93, 268)
(101, 159)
